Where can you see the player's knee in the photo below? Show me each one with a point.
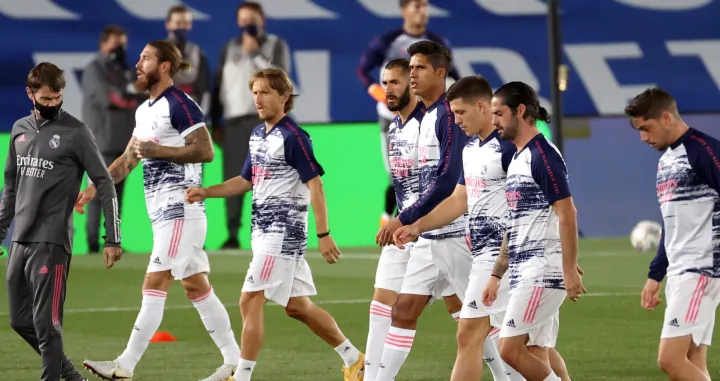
(297, 310)
(509, 353)
(157, 280)
(196, 290)
(404, 311)
(470, 334)
(669, 365)
(251, 302)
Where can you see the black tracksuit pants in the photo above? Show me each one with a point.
(36, 277)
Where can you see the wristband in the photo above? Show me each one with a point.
(323, 235)
(499, 277)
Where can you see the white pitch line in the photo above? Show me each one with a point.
(234, 305)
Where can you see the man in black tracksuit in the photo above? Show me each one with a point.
(49, 153)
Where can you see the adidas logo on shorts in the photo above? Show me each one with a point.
(250, 279)
(511, 323)
(472, 305)
(674, 323)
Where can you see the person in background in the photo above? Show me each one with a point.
(384, 48)
(252, 50)
(108, 108)
(195, 81)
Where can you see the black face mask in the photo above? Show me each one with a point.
(48, 112)
(118, 54)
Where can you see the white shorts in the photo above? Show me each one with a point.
(534, 311)
(280, 278)
(178, 247)
(473, 306)
(391, 267)
(691, 303)
(454, 261)
(438, 268)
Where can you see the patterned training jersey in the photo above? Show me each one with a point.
(537, 177)
(279, 164)
(440, 146)
(688, 182)
(485, 165)
(403, 153)
(167, 120)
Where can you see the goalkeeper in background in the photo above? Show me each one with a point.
(384, 48)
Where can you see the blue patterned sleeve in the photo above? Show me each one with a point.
(185, 115)
(246, 172)
(659, 264)
(452, 142)
(702, 154)
(299, 155)
(549, 172)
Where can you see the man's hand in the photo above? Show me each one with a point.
(573, 283)
(490, 291)
(112, 255)
(84, 197)
(384, 236)
(329, 249)
(195, 194)
(249, 43)
(405, 234)
(146, 149)
(650, 297)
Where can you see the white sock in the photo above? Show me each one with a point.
(380, 319)
(348, 352)
(456, 316)
(397, 348)
(552, 377)
(491, 355)
(217, 323)
(244, 370)
(147, 323)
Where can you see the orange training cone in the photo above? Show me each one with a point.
(163, 337)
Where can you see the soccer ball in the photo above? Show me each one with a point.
(645, 236)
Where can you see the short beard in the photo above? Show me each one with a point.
(403, 101)
(147, 83)
(510, 131)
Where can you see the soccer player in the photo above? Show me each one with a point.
(382, 49)
(50, 151)
(172, 141)
(440, 261)
(542, 237)
(481, 192)
(284, 176)
(403, 152)
(688, 185)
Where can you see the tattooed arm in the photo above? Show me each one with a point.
(123, 165)
(503, 260)
(119, 170)
(198, 149)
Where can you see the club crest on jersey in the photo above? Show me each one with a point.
(55, 142)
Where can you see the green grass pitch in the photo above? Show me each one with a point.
(606, 335)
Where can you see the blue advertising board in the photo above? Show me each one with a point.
(614, 48)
